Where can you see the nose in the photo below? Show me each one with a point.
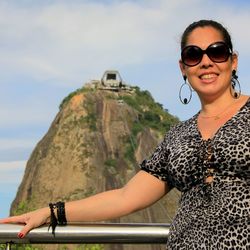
(206, 61)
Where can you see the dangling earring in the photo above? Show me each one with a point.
(185, 84)
(235, 85)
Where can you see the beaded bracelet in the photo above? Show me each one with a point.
(53, 219)
(61, 216)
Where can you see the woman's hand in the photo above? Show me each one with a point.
(30, 220)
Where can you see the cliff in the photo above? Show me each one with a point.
(95, 143)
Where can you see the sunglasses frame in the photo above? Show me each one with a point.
(206, 51)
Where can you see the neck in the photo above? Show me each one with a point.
(214, 108)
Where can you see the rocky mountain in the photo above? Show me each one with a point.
(95, 143)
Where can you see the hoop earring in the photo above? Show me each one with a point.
(235, 86)
(185, 84)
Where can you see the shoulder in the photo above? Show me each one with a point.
(247, 104)
(245, 107)
(182, 128)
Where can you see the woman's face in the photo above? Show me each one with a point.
(209, 79)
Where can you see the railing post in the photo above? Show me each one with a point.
(8, 245)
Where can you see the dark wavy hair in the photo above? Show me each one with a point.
(205, 23)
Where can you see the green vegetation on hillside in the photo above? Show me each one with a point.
(151, 113)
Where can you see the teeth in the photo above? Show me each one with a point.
(208, 76)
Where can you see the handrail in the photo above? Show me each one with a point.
(136, 233)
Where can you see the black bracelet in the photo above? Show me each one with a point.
(61, 216)
(53, 220)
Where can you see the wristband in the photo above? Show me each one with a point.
(61, 216)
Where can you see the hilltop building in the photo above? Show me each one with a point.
(111, 80)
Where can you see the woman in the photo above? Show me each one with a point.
(207, 158)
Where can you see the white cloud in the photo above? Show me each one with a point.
(15, 114)
(12, 165)
(9, 143)
(59, 40)
(11, 172)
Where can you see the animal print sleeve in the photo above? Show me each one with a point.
(157, 164)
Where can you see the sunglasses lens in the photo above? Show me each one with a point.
(191, 55)
(218, 52)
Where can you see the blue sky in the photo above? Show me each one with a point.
(50, 48)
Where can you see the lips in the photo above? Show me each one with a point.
(208, 76)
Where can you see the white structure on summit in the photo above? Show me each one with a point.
(111, 80)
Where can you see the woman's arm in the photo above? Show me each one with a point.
(141, 191)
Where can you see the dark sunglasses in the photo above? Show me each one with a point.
(217, 52)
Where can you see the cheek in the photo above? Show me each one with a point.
(192, 75)
(226, 67)
(191, 72)
(194, 82)
(226, 72)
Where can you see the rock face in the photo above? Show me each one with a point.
(96, 143)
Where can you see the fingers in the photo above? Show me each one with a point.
(30, 220)
(14, 219)
(25, 230)
(22, 219)
(19, 219)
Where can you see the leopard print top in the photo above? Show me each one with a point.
(212, 215)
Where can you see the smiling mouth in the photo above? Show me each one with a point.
(208, 76)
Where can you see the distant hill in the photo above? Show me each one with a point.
(95, 143)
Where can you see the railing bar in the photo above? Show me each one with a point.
(89, 233)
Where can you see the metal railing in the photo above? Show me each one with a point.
(134, 233)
